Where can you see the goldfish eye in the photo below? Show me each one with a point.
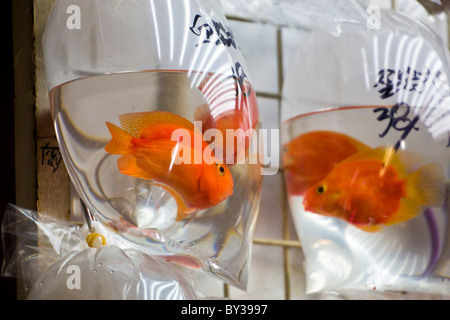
(221, 169)
(321, 189)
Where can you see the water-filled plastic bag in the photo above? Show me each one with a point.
(365, 130)
(156, 119)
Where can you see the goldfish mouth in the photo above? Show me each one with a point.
(216, 200)
(310, 208)
(305, 205)
(321, 209)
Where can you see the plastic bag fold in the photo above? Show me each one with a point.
(55, 261)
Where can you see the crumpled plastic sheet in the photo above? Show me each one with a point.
(55, 261)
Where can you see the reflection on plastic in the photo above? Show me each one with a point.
(109, 273)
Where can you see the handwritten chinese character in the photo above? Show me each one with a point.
(205, 30)
(240, 77)
(418, 81)
(225, 35)
(52, 155)
(391, 81)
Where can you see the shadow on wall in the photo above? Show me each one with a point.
(7, 176)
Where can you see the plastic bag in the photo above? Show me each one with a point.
(124, 77)
(366, 103)
(56, 262)
(290, 14)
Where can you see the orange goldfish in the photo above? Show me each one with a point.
(148, 152)
(377, 187)
(226, 110)
(308, 158)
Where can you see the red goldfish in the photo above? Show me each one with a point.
(377, 187)
(227, 108)
(148, 152)
(308, 158)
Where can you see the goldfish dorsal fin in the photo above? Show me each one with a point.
(411, 161)
(427, 185)
(134, 123)
(374, 154)
(386, 155)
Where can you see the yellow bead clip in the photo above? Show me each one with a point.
(91, 238)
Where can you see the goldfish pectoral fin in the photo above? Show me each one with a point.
(181, 215)
(127, 165)
(183, 210)
(369, 228)
(408, 209)
(203, 183)
(427, 185)
(120, 141)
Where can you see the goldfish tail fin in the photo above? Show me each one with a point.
(427, 185)
(120, 142)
